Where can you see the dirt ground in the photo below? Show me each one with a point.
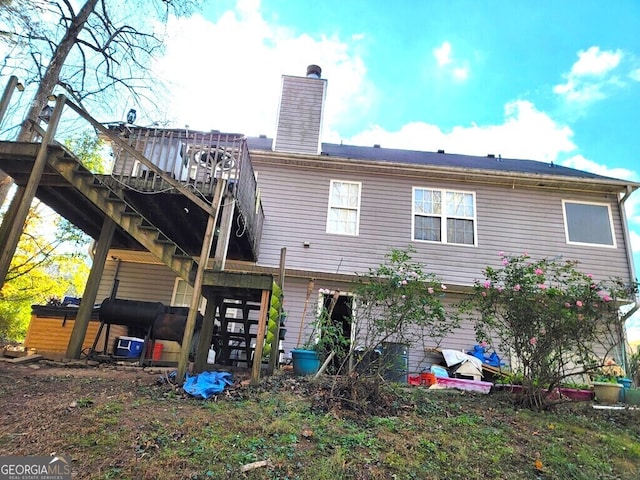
(49, 408)
(69, 409)
(35, 397)
(44, 409)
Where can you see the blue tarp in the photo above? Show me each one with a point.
(206, 384)
(480, 352)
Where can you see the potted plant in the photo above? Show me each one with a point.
(577, 392)
(510, 382)
(632, 395)
(308, 357)
(606, 388)
(326, 337)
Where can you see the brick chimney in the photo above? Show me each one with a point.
(299, 121)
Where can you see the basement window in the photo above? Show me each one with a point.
(182, 294)
(343, 216)
(588, 223)
(444, 216)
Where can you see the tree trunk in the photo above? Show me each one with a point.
(52, 74)
(49, 81)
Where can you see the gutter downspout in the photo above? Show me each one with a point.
(632, 272)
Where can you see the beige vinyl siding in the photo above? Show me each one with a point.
(513, 220)
(154, 283)
(300, 115)
(295, 293)
(137, 281)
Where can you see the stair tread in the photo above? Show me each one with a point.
(109, 198)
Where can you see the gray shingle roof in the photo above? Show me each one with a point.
(393, 155)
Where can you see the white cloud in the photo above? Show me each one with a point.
(461, 73)
(594, 62)
(581, 163)
(632, 211)
(526, 133)
(227, 75)
(590, 75)
(458, 69)
(635, 75)
(443, 54)
(634, 237)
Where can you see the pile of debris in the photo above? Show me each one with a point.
(19, 354)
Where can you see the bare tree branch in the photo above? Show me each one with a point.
(86, 47)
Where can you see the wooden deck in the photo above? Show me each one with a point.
(178, 216)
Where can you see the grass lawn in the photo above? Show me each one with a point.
(117, 423)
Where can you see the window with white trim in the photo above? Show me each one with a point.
(588, 223)
(343, 216)
(182, 294)
(444, 216)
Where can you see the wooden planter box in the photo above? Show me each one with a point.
(573, 394)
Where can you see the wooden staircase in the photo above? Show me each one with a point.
(109, 198)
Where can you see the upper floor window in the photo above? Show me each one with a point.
(588, 223)
(343, 216)
(444, 216)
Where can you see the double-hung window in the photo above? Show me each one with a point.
(343, 216)
(588, 223)
(444, 216)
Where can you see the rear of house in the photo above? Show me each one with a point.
(338, 210)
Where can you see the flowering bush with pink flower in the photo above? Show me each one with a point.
(399, 301)
(554, 320)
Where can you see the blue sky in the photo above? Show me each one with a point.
(546, 80)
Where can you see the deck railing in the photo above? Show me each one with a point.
(195, 159)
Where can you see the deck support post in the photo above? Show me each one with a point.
(13, 232)
(6, 96)
(74, 348)
(206, 331)
(262, 327)
(207, 242)
(10, 215)
(222, 245)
